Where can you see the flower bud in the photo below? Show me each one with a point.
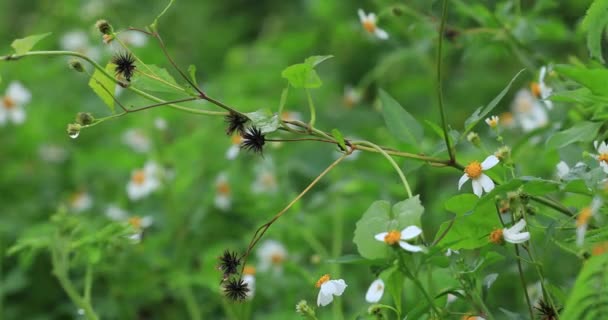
(74, 130)
(107, 38)
(84, 118)
(304, 309)
(104, 27)
(474, 139)
(503, 153)
(76, 65)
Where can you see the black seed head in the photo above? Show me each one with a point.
(236, 289)
(546, 312)
(229, 263)
(253, 140)
(236, 123)
(125, 64)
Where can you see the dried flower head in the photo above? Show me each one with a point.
(125, 64)
(236, 123)
(229, 263)
(104, 27)
(236, 289)
(546, 311)
(254, 140)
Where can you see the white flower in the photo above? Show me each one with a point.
(52, 153)
(394, 236)
(514, 234)
(480, 180)
(137, 140)
(351, 97)
(80, 201)
(139, 224)
(271, 254)
(223, 198)
(544, 91)
(492, 121)
(369, 24)
(115, 213)
(160, 124)
(329, 289)
(529, 112)
(249, 279)
(375, 291)
(79, 41)
(235, 147)
(143, 181)
(582, 220)
(11, 105)
(133, 38)
(602, 156)
(563, 169)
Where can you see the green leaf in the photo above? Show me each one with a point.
(580, 132)
(264, 120)
(103, 86)
(316, 60)
(303, 75)
(595, 23)
(400, 123)
(593, 79)
(380, 217)
(461, 204)
(394, 285)
(23, 46)
(192, 73)
(154, 78)
(470, 231)
(348, 259)
(589, 296)
(482, 112)
(339, 137)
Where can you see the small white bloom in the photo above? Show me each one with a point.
(375, 291)
(11, 105)
(133, 38)
(115, 213)
(528, 111)
(235, 147)
(394, 236)
(271, 255)
(582, 220)
(265, 182)
(329, 289)
(143, 181)
(139, 224)
(563, 170)
(474, 171)
(52, 153)
(602, 156)
(492, 121)
(137, 140)
(223, 198)
(514, 234)
(80, 201)
(351, 97)
(160, 124)
(369, 24)
(250, 281)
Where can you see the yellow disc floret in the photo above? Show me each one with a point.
(322, 280)
(139, 177)
(8, 102)
(603, 157)
(369, 26)
(496, 236)
(473, 170)
(392, 237)
(535, 88)
(583, 217)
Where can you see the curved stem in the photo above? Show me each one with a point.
(394, 164)
(444, 124)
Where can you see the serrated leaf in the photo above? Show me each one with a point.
(593, 79)
(581, 132)
(264, 120)
(23, 46)
(400, 123)
(103, 86)
(339, 137)
(595, 23)
(154, 78)
(482, 112)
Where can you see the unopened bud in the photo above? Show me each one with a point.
(474, 139)
(305, 310)
(74, 130)
(84, 118)
(104, 27)
(107, 38)
(503, 153)
(75, 64)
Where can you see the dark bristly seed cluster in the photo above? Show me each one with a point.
(253, 140)
(229, 263)
(236, 289)
(546, 312)
(236, 123)
(125, 64)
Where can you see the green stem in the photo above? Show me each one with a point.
(394, 164)
(523, 283)
(336, 252)
(444, 123)
(418, 284)
(311, 106)
(88, 283)
(194, 312)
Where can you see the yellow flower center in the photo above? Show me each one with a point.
(236, 139)
(277, 258)
(139, 177)
(493, 122)
(223, 188)
(135, 222)
(535, 88)
(473, 170)
(506, 118)
(583, 217)
(603, 157)
(496, 236)
(250, 270)
(8, 102)
(322, 280)
(392, 237)
(369, 26)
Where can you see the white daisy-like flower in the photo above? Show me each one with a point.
(143, 181)
(80, 201)
(137, 140)
(529, 113)
(375, 291)
(249, 279)
(223, 194)
(602, 156)
(582, 220)
(79, 41)
(514, 234)
(52, 153)
(563, 170)
(271, 255)
(329, 289)
(369, 24)
(394, 237)
(474, 171)
(12, 103)
(116, 213)
(492, 121)
(139, 224)
(235, 147)
(351, 96)
(265, 182)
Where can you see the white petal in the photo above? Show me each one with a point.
(324, 299)
(18, 93)
(486, 183)
(232, 152)
(477, 188)
(411, 248)
(543, 72)
(562, 169)
(595, 144)
(375, 291)
(381, 34)
(380, 236)
(462, 180)
(518, 227)
(3, 116)
(489, 162)
(580, 234)
(339, 286)
(517, 237)
(410, 232)
(362, 16)
(603, 148)
(17, 115)
(371, 17)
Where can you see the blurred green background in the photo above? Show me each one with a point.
(240, 48)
